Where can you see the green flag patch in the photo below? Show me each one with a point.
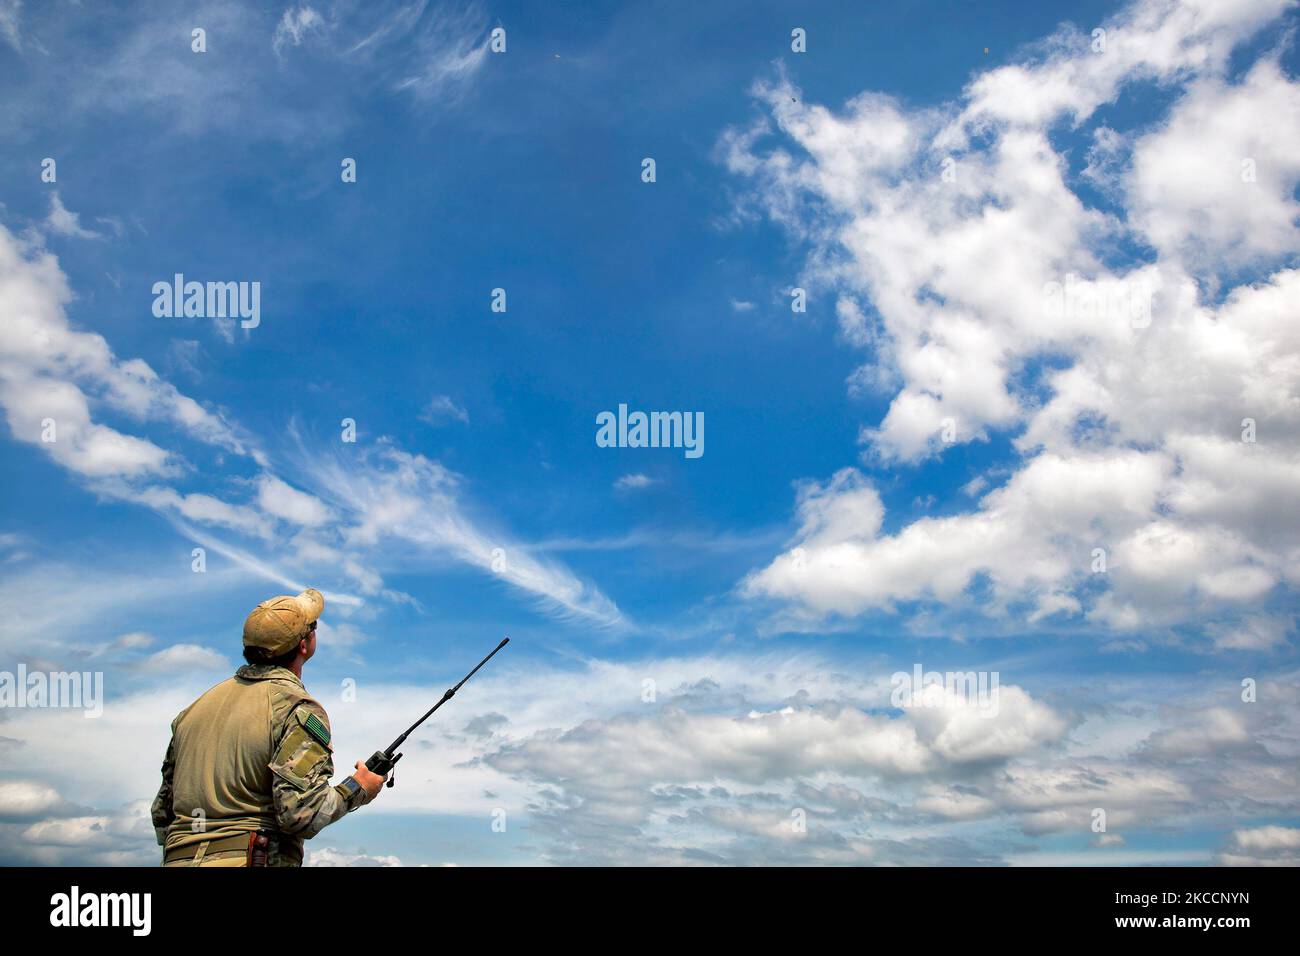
(316, 727)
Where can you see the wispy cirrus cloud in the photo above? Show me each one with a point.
(10, 28)
(52, 377)
(424, 48)
(145, 67)
(389, 494)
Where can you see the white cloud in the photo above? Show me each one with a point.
(698, 749)
(52, 376)
(1254, 632)
(633, 482)
(695, 777)
(49, 371)
(453, 46)
(449, 43)
(56, 414)
(297, 507)
(391, 495)
(1126, 389)
(9, 13)
(328, 856)
(1215, 184)
(1205, 733)
(121, 837)
(62, 222)
(962, 731)
(182, 657)
(678, 746)
(711, 771)
(1070, 75)
(295, 24)
(133, 641)
(844, 565)
(38, 619)
(143, 69)
(1262, 846)
(29, 800)
(197, 506)
(1267, 838)
(442, 409)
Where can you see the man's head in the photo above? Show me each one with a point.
(283, 630)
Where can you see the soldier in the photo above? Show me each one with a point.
(247, 774)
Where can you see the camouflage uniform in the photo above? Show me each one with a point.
(252, 754)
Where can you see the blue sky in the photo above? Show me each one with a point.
(829, 536)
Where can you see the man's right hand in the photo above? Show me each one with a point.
(371, 783)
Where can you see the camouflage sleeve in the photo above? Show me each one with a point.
(302, 765)
(162, 811)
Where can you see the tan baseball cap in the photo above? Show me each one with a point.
(280, 623)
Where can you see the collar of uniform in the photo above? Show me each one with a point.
(267, 672)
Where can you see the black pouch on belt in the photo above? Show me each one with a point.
(259, 848)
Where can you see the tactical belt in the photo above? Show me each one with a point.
(256, 844)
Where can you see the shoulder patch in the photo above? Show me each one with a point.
(316, 727)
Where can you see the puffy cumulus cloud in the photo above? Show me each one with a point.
(1203, 733)
(730, 768)
(85, 830)
(771, 758)
(329, 856)
(750, 749)
(796, 783)
(1072, 74)
(1216, 183)
(29, 800)
(996, 727)
(1029, 537)
(1151, 405)
(120, 837)
(1262, 846)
